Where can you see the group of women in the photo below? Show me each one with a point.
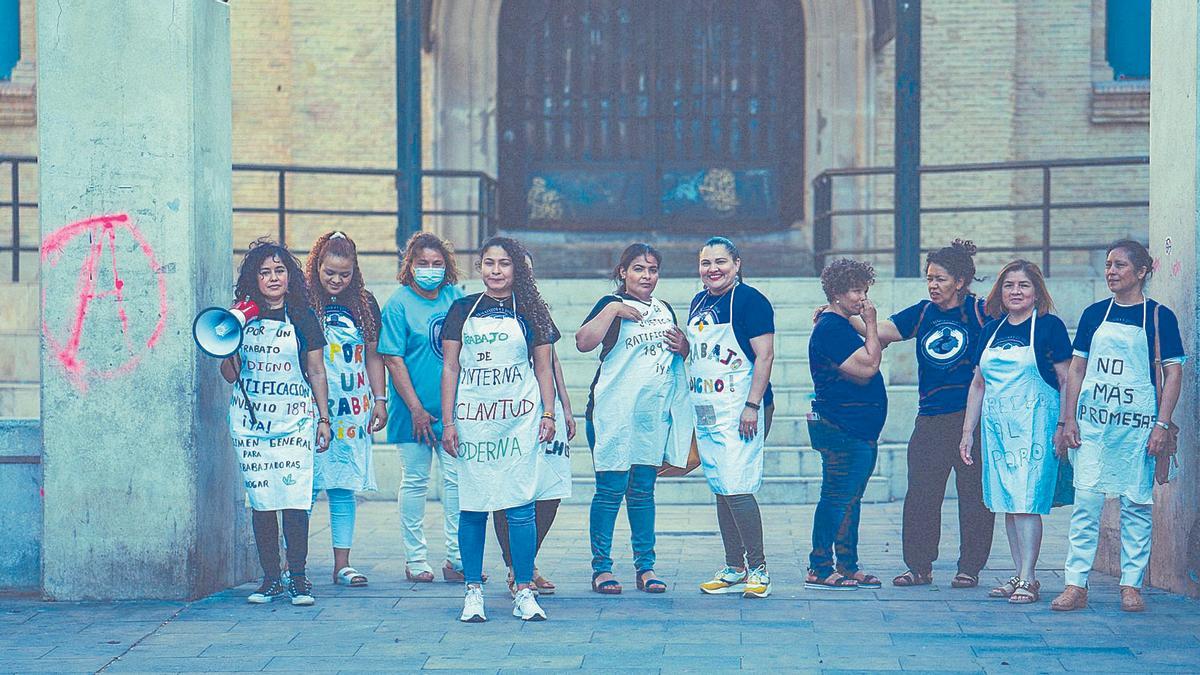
(476, 382)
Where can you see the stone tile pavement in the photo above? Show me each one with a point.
(395, 626)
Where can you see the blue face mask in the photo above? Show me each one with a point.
(429, 278)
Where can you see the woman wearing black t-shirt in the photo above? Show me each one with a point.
(280, 371)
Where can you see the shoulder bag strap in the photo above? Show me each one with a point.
(920, 320)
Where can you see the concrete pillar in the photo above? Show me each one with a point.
(1174, 185)
(142, 494)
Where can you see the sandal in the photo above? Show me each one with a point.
(911, 578)
(833, 582)
(964, 580)
(543, 585)
(455, 575)
(651, 585)
(1005, 589)
(511, 582)
(422, 577)
(607, 587)
(1026, 592)
(351, 577)
(865, 581)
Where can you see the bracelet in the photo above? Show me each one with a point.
(1162, 425)
(753, 406)
(548, 416)
(381, 398)
(323, 419)
(1061, 424)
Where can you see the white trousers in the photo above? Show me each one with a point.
(1085, 537)
(418, 459)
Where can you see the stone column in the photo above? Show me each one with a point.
(1174, 185)
(142, 493)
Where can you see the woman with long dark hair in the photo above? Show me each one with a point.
(411, 345)
(1121, 392)
(280, 373)
(639, 384)
(731, 333)
(1022, 359)
(497, 407)
(350, 319)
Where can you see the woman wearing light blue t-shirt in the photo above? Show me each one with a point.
(411, 345)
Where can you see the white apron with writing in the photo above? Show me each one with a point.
(554, 458)
(347, 464)
(1020, 413)
(641, 395)
(719, 380)
(497, 412)
(1116, 413)
(276, 453)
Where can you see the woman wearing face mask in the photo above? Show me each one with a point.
(280, 373)
(633, 410)
(411, 345)
(1014, 399)
(1124, 382)
(848, 411)
(731, 333)
(497, 404)
(350, 318)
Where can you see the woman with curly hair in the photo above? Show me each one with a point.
(350, 319)
(731, 332)
(848, 411)
(411, 345)
(1022, 358)
(281, 374)
(498, 410)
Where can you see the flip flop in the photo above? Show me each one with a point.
(610, 587)
(865, 581)
(651, 585)
(350, 577)
(833, 582)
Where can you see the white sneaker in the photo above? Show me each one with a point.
(526, 606)
(473, 606)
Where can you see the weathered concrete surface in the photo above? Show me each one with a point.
(21, 513)
(1174, 182)
(142, 498)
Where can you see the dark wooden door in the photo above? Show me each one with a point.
(640, 115)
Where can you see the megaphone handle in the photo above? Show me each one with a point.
(246, 397)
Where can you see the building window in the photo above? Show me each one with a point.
(10, 36)
(1127, 38)
(627, 114)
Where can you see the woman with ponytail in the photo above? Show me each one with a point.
(498, 397)
(350, 320)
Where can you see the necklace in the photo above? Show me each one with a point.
(702, 308)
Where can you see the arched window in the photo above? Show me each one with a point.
(628, 114)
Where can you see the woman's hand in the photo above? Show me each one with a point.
(546, 430)
(1158, 438)
(323, 436)
(627, 312)
(450, 440)
(677, 341)
(1059, 442)
(869, 313)
(1070, 433)
(819, 311)
(748, 424)
(964, 448)
(570, 425)
(379, 417)
(423, 426)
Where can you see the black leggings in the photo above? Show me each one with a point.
(741, 530)
(266, 537)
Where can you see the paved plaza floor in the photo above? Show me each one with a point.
(395, 626)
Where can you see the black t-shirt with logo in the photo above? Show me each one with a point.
(946, 344)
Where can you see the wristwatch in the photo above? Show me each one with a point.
(1162, 425)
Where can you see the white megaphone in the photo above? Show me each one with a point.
(218, 331)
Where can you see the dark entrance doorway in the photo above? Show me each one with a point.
(651, 116)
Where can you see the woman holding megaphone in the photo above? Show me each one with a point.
(281, 374)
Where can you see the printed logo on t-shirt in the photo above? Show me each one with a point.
(945, 344)
(338, 315)
(1007, 343)
(434, 331)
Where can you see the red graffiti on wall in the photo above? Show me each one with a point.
(98, 234)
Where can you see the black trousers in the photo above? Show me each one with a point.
(932, 453)
(266, 537)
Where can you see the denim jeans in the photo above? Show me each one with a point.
(418, 458)
(846, 465)
(636, 487)
(522, 541)
(343, 506)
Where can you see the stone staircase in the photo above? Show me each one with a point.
(792, 467)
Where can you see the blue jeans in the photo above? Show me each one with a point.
(342, 507)
(636, 487)
(522, 541)
(846, 465)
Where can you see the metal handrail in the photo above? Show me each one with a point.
(484, 211)
(824, 213)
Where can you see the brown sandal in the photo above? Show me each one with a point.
(1026, 593)
(1005, 589)
(964, 580)
(543, 585)
(911, 578)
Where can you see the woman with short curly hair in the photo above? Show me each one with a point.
(848, 410)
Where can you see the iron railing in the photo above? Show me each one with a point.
(482, 209)
(824, 213)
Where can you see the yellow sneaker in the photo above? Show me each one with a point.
(758, 583)
(726, 580)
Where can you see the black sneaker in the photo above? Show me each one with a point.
(300, 589)
(268, 591)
